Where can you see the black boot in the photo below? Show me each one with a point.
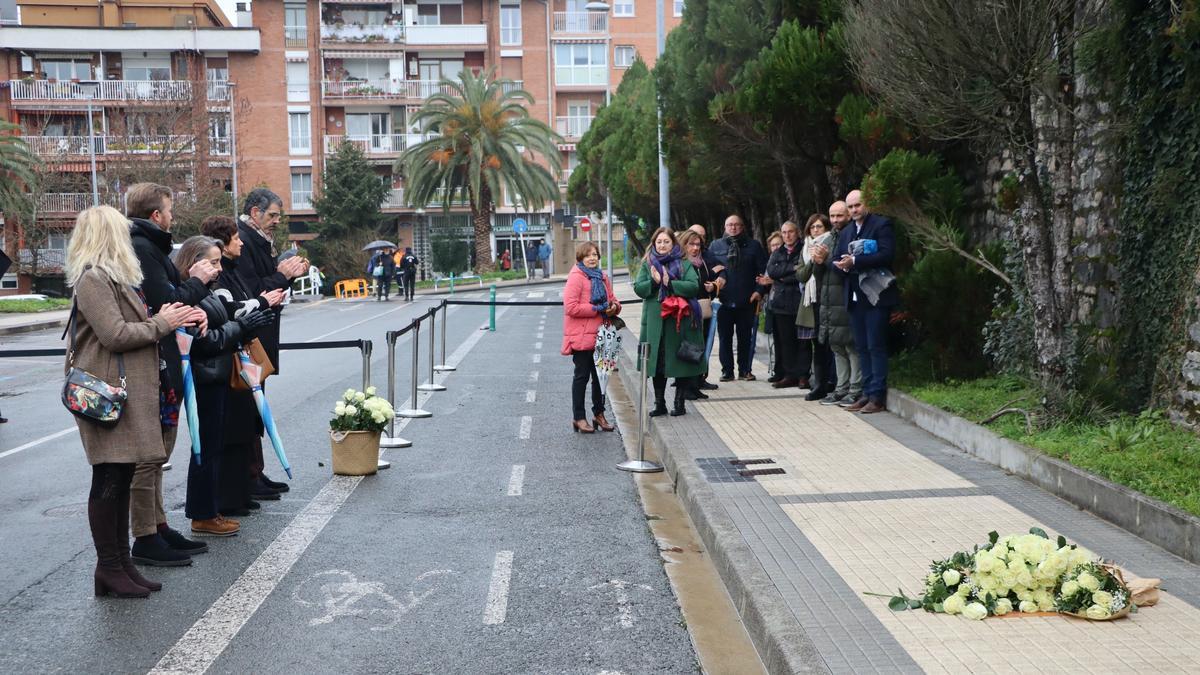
(110, 576)
(683, 387)
(660, 397)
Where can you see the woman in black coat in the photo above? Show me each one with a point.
(794, 356)
(243, 426)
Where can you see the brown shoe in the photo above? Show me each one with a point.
(785, 383)
(582, 427)
(216, 527)
(859, 404)
(870, 408)
(601, 423)
(747, 377)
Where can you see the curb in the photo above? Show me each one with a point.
(30, 327)
(780, 640)
(1148, 518)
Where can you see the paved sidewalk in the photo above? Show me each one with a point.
(865, 503)
(24, 323)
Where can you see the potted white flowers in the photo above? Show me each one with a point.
(358, 420)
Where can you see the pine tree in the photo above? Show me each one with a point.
(348, 213)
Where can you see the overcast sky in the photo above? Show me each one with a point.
(227, 7)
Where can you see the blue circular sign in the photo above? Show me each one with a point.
(520, 226)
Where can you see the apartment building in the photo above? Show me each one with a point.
(286, 83)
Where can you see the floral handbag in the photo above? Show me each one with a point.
(87, 396)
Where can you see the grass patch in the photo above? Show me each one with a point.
(473, 281)
(1142, 451)
(27, 306)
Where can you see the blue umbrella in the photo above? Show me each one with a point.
(252, 374)
(184, 340)
(712, 332)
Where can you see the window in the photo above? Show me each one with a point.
(623, 8)
(302, 190)
(365, 17)
(295, 26)
(218, 133)
(678, 7)
(146, 67)
(300, 133)
(580, 64)
(623, 56)
(68, 69)
(434, 13)
(297, 81)
(8, 282)
(510, 25)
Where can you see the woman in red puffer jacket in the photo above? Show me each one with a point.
(588, 301)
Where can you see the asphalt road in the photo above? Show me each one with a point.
(499, 542)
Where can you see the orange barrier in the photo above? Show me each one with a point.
(351, 288)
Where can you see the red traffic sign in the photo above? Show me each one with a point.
(585, 224)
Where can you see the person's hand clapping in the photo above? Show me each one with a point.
(820, 253)
(655, 275)
(845, 263)
(177, 314)
(274, 297)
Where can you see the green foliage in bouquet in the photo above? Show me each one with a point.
(361, 411)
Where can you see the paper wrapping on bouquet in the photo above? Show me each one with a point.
(252, 373)
(184, 341)
(608, 347)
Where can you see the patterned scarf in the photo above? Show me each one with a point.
(669, 265)
(599, 297)
(168, 400)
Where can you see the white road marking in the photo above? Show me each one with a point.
(537, 346)
(497, 602)
(535, 294)
(204, 642)
(526, 427)
(533, 376)
(341, 594)
(357, 323)
(540, 335)
(24, 360)
(516, 481)
(37, 442)
(531, 396)
(537, 358)
(351, 308)
(624, 613)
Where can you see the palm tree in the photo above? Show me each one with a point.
(16, 166)
(484, 142)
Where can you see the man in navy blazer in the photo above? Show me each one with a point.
(868, 320)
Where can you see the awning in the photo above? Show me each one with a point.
(335, 54)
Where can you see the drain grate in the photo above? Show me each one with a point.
(751, 461)
(761, 472)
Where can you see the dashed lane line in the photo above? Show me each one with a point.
(496, 608)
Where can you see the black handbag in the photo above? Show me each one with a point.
(689, 352)
(87, 396)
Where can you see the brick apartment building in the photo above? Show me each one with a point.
(177, 88)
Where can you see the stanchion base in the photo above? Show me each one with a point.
(640, 466)
(445, 369)
(397, 442)
(414, 412)
(431, 387)
(383, 464)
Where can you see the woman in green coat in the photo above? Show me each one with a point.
(666, 273)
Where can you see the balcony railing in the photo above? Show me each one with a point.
(302, 199)
(372, 145)
(454, 34)
(394, 200)
(363, 34)
(218, 90)
(581, 23)
(74, 202)
(295, 36)
(103, 90)
(564, 178)
(573, 126)
(60, 146)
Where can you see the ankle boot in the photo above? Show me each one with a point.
(660, 397)
(680, 396)
(122, 535)
(110, 576)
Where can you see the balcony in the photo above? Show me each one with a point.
(474, 35)
(573, 127)
(394, 199)
(77, 146)
(74, 202)
(218, 90)
(101, 91)
(295, 37)
(363, 34)
(581, 23)
(373, 145)
(301, 200)
(564, 177)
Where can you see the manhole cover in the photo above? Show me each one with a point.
(66, 511)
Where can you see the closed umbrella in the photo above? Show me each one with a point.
(184, 341)
(608, 347)
(378, 243)
(712, 332)
(252, 374)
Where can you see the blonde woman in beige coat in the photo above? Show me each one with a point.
(111, 319)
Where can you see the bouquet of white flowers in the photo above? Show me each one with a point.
(361, 411)
(1021, 573)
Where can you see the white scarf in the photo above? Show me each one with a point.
(810, 286)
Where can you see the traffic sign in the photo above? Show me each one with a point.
(585, 224)
(520, 226)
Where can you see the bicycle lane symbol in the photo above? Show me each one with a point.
(340, 594)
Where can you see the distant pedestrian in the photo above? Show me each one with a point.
(666, 279)
(408, 269)
(530, 259)
(744, 260)
(382, 268)
(114, 338)
(544, 257)
(588, 302)
(505, 261)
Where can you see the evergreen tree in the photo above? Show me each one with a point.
(348, 213)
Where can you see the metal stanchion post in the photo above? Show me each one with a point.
(444, 367)
(431, 385)
(452, 283)
(415, 411)
(640, 465)
(366, 363)
(492, 311)
(391, 440)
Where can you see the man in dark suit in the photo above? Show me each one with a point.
(868, 319)
(743, 260)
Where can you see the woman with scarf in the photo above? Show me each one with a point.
(668, 279)
(588, 301)
(692, 244)
(792, 357)
(810, 317)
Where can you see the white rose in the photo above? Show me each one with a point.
(951, 577)
(351, 410)
(1086, 580)
(1028, 606)
(349, 395)
(975, 611)
(1098, 613)
(1070, 588)
(954, 604)
(1102, 598)
(1003, 606)
(359, 396)
(339, 408)
(371, 391)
